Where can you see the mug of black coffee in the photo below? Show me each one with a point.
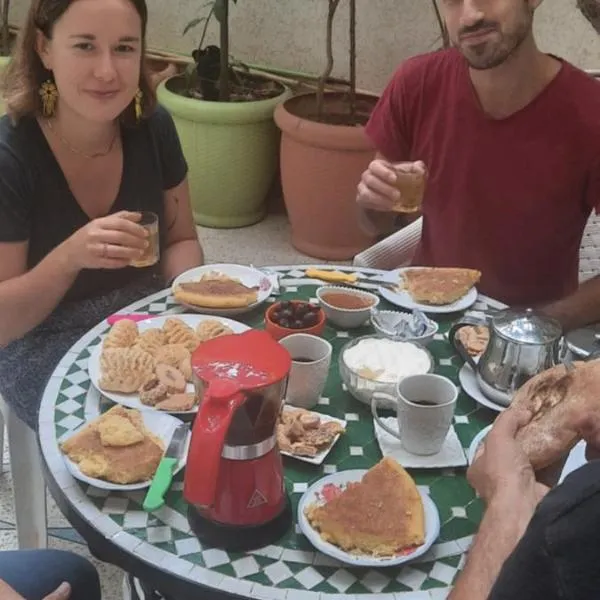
(425, 407)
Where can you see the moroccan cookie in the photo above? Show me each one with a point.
(125, 370)
(177, 332)
(122, 334)
(151, 340)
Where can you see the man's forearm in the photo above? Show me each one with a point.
(580, 308)
(181, 256)
(505, 520)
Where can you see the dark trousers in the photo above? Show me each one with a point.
(36, 573)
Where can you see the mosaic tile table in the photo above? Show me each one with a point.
(159, 547)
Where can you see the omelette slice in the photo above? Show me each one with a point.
(439, 286)
(382, 515)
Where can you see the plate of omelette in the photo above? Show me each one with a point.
(121, 449)
(374, 518)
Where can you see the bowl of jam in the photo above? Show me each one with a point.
(294, 316)
(346, 307)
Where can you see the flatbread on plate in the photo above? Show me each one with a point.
(216, 291)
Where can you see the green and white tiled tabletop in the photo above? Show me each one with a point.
(291, 569)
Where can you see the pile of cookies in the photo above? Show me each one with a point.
(155, 363)
(304, 433)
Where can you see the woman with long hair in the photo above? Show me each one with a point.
(84, 149)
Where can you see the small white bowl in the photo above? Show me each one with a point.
(363, 388)
(346, 318)
(423, 340)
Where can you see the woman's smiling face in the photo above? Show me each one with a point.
(95, 54)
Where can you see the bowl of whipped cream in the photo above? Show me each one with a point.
(370, 364)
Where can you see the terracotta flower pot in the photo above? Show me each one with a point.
(321, 165)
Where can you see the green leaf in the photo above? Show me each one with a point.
(220, 10)
(193, 23)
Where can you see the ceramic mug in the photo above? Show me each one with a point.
(425, 407)
(311, 358)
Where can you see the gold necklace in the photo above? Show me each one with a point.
(76, 150)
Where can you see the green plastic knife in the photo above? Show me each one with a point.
(163, 477)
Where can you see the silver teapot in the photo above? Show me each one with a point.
(522, 344)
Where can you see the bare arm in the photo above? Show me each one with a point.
(580, 308)
(183, 249)
(62, 592)
(505, 520)
(7, 593)
(28, 297)
(503, 477)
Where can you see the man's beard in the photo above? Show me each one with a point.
(489, 55)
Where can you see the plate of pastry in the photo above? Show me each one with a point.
(307, 435)
(222, 289)
(121, 449)
(403, 522)
(432, 289)
(147, 365)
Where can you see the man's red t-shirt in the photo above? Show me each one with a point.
(509, 197)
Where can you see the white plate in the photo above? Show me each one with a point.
(133, 400)
(432, 524)
(403, 299)
(320, 457)
(468, 382)
(575, 460)
(247, 275)
(161, 425)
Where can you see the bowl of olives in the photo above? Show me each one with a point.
(294, 316)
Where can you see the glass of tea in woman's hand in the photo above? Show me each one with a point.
(149, 222)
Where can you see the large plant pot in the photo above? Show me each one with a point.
(321, 165)
(232, 153)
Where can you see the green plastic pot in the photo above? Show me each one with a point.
(232, 153)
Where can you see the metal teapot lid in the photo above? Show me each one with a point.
(526, 326)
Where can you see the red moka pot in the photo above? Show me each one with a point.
(234, 475)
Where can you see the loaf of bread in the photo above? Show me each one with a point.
(558, 398)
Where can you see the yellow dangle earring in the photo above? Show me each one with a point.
(49, 95)
(139, 96)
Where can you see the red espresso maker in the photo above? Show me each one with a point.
(234, 475)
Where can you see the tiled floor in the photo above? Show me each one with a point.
(266, 243)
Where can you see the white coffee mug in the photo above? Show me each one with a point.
(311, 358)
(425, 407)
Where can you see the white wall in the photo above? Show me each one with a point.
(291, 33)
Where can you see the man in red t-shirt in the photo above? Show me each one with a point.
(510, 138)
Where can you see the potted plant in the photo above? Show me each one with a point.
(591, 11)
(324, 150)
(224, 117)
